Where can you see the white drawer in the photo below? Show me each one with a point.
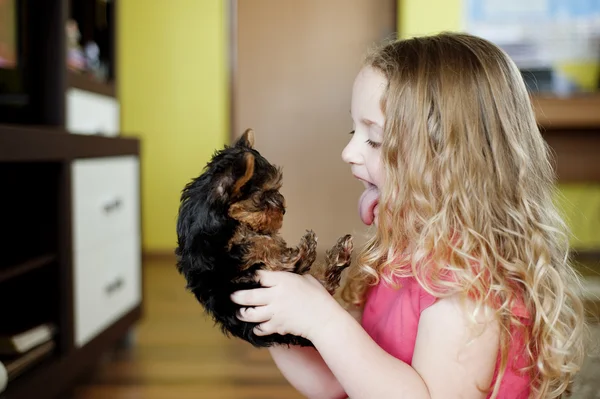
(107, 284)
(91, 113)
(105, 200)
(106, 242)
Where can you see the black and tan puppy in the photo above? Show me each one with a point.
(228, 228)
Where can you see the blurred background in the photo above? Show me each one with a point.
(109, 107)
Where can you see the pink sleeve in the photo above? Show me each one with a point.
(421, 297)
(425, 299)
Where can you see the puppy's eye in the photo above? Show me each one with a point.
(258, 198)
(273, 198)
(265, 196)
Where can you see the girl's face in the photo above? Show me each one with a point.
(363, 152)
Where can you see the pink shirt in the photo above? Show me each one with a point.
(391, 318)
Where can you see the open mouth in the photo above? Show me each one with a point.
(367, 203)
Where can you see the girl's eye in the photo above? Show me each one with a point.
(370, 142)
(373, 144)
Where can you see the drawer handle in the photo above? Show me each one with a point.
(114, 286)
(113, 205)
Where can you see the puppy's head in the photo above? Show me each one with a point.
(238, 185)
(251, 189)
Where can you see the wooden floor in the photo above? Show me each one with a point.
(178, 354)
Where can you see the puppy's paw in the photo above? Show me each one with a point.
(338, 259)
(341, 254)
(307, 252)
(308, 244)
(309, 239)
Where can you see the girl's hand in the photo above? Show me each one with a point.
(289, 304)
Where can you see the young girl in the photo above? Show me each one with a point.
(464, 290)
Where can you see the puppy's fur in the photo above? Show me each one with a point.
(227, 228)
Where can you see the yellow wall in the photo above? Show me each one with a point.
(424, 17)
(172, 73)
(172, 76)
(580, 203)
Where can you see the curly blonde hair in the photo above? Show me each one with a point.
(469, 194)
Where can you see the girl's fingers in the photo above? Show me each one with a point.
(266, 278)
(252, 297)
(266, 328)
(257, 314)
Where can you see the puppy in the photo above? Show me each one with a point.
(228, 228)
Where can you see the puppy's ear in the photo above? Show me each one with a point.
(248, 173)
(228, 182)
(247, 139)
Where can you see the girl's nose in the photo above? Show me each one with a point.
(350, 154)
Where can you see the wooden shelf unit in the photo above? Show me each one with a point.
(8, 272)
(571, 127)
(63, 250)
(86, 14)
(574, 112)
(38, 144)
(40, 163)
(83, 82)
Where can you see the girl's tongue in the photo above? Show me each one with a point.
(367, 203)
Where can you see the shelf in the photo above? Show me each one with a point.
(43, 366)
(586, 255)
(19, 143)
(37, 150)
(80, 81)
(18, 365)
(573, 112)
(9, 272)
(587, 264)
(53, 376)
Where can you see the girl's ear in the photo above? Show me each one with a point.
(247, 139)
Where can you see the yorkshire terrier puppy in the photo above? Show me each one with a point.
(227, 228)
